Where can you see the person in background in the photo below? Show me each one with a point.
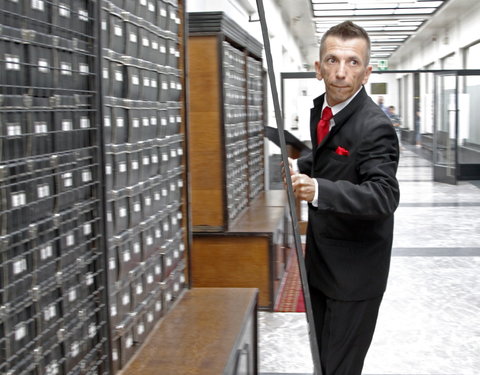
(396, 122)
(381, 104)
(349, 181)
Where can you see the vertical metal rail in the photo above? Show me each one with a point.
(317, 369)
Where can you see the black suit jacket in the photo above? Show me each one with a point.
(350, 233)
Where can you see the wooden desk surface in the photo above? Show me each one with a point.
(198, 335)
(271, 198)
(258, 219)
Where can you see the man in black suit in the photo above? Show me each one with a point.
(350, 184)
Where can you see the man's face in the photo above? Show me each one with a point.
(343, 67)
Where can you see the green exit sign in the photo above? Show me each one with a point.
(382, 64)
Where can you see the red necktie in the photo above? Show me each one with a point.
(324, 124)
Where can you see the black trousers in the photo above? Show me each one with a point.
(344, 332)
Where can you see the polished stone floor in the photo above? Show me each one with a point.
(429, 322)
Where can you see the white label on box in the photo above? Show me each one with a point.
(87, 175)
(146, 82)
(168, 296)
(38, 5)
(43, 66)
(133, 38)
(126, 256)
(84, 122)
(182, 278)
(179, 215)
(145, 42)
(135, 80)
(135, 165)
(63, 10)
(164, 192)
(117, 29)
(136, 248)
(163, 12)
(126, 299)
(173, 85)
(109, 216)
(66, 68)
(72, 295)
(83, 15)
(14, 129)
(174, 221)
(171, 119)
(158, 306)
(137, 207)
(143, 2)
(89, 279)
(122, 212)
(164, 156)
(46, 252)
(120, 122)
(40, 127)
(180, 183)
(104, 25)
(136, 122)
(43, 191)
(129, 342)
(92, 330)
(151, 6)
(106, 74)
(149, 278)
(149, 240)
(139, 289)
(70, 239)
(108, 169)
(163, 49)
(176, 287)
(173, 15)
(149, 317)
(158, 269)
(20, 331)
(153, 121)
(176, 254)
(148, 201)
(49, 312)
(13, 62)
(158, 233)
(52, 369)
(113, 309)
(163, 121)
(145, 121)
(112, 264)
(75, 349)
(154, 159)
(155, 45)
(168, 261)
(173, 153)
(67, 125)
(118, 76)
(179, 86)
(164, 85)
(154, 83)
(140, 329)
(19, 266)
(107, 121)
(83, 68)
(19, 199)
(122, 167)
(114, 355)
(146, 160)
(180, 151)
(67, 179)
(172, 187)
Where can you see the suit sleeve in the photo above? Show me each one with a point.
(376, 193)
(305, 164)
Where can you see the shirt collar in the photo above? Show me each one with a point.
(337, 108)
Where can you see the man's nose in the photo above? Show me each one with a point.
(341, 70)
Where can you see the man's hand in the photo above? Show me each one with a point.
(303, 187)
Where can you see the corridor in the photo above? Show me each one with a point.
(429, 322)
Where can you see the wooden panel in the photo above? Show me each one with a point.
(206, 135)
(199, 336)
(233, 261)
(258, 220)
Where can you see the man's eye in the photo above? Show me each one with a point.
(331, 60)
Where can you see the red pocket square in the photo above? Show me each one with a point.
(342, 151)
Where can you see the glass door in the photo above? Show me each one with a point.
(445, 129)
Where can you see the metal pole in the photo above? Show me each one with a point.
(317, 369)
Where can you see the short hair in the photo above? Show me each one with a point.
(347, 30)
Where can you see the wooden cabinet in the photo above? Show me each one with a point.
(211, 331)
(252, 253)
(226, 120)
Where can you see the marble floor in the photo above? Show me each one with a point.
(429, 322)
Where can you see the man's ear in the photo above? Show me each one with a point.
(367, 74)
(318, 71)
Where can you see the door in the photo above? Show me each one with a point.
(445, 129)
